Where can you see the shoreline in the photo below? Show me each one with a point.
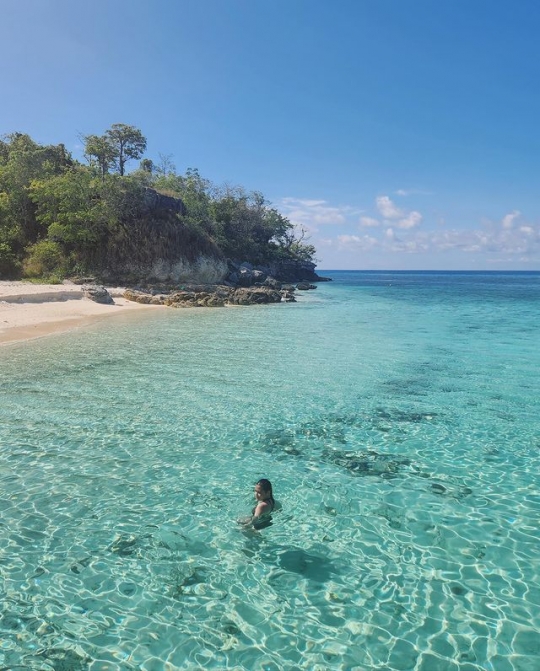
(30, 311)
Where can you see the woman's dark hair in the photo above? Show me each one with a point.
(266, 486)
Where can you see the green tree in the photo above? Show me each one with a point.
(99, 152)
(196, 194)
(87, 216)
(248, 229)
(118, 145)
(21, 161)
(69, 207)
(147, 165)
(128, 143)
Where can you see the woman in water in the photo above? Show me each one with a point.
(260, 515)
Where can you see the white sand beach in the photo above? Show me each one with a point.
(30, 311)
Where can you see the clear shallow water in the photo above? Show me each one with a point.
(397, 415)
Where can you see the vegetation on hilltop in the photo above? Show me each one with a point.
(60, 217)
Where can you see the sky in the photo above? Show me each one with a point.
(399, 134)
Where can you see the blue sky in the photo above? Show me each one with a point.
(401, 134)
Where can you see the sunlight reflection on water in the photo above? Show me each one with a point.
(402, 443)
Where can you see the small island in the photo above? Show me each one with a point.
(151, 229)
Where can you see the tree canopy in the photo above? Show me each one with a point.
(119, 144)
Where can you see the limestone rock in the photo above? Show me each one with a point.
(138, 296)
(255, 295)
(210, 295)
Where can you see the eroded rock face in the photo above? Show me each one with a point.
(212, 270)
(158, 201)
(98, 294)
(204, 269)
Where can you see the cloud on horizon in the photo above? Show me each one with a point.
(524, 240)
(310, 214)
(399, 231)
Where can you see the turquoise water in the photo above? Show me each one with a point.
(397, 415)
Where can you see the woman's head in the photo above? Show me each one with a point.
(263, 490)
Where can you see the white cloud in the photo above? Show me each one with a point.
(412, 220)
(525, 240)
(369, 222)
(508, 220)
(394, 230)
(412, 192)
(391, 212)
(357, 243)
(325, 242)
(307, 202)
(387, 208)
(310, 214)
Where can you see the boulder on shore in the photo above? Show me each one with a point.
(98, 294)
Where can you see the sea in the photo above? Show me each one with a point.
(397, 415)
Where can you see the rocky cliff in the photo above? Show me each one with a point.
(201, 270)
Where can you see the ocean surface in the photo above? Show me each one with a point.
(398, 417)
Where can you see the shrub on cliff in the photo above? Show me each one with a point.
(44, 258)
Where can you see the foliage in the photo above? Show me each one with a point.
(9, 264)
(99, 152)
(118, 145)
(58, 216)
(21, 161)
(45, 258)
(242, 223)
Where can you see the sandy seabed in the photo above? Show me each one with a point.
(30, 311)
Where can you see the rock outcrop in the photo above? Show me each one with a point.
(154, 200)
(217, 295)
(97, 294)
(204, 270)
(245, 274)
